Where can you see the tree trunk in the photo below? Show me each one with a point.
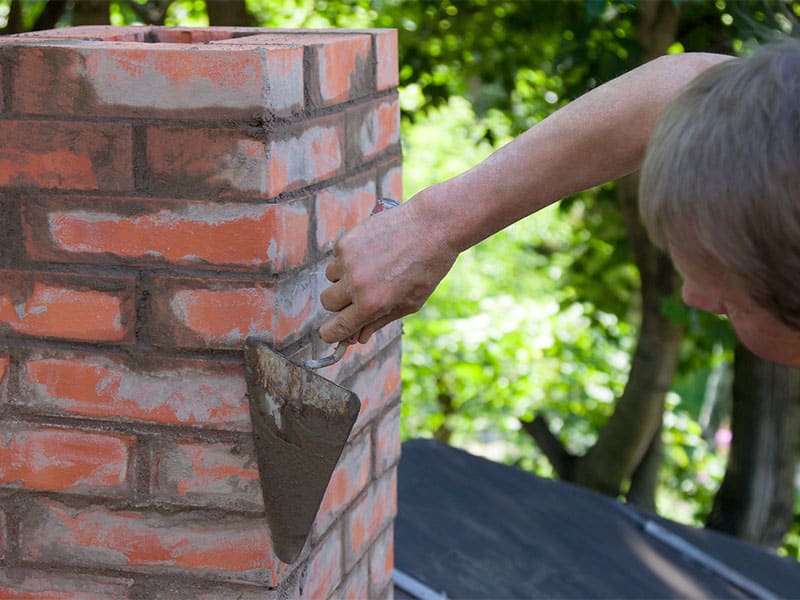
(228, 13)
(91, 12)
(626, 438)
(50, 15)
(628, 447)
(644, 481)
(756, 499)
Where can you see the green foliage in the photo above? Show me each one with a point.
(542, 317)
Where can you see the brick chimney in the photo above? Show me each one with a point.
(164, 193)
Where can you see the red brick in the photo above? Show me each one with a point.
(69, 307)
(358, 355)
(351, 475)
(181, 589)
(5, 369)
(365, 521)
(387, 441)
(391, 183)
(386, 55)
(356, 583)
(212, 475)
(381, 562)
(206, 162)
(343, 67)
(77, 156)
(372, 128)
(339, 63)
(214, 317)
(2, 94)
(31, 584)
(3, 537)
(341, 208)
(297, 299)
(324, 571)
(183, 81)
(171, 392)
(308, 156)
(60, 460)
(183, 233)
(83, 32)
(223, 313)
(182, 543)
(377, 386)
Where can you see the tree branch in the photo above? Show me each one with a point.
(561, 460)
(50, 15)
(14, 22)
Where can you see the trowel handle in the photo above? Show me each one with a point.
(381, 205)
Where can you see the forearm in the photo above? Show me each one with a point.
(599, 137)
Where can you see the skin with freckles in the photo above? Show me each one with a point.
(706, 287)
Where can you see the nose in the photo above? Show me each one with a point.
(697, 299)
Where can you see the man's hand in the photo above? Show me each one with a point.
(384, 269)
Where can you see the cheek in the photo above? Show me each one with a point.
(691, 296)
(768, 338)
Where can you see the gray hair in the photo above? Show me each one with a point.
(722, 170)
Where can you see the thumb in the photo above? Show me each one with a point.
(341, 326)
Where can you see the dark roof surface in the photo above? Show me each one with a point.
(472, 528)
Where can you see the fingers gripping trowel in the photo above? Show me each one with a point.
(301, 423)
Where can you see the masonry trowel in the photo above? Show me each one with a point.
(301, 422)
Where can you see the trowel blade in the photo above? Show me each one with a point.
(301, 423)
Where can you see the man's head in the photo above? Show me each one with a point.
(720, 191)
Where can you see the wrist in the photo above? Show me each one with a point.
(442, 215)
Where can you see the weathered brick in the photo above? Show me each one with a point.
(324, 571)
(216, 546)
(387, 441)
(2, 93)
(196, 313)
(167, 588)
(377, 385)
(176, 80)
(391, 182)
(32, 584)
(339, 64)
(74, 307)
(297, 298)
(372, 128)
(223, 313)
(85, 32)
(61, 460)
(358, 355)
(167, 391)
(307, 155)
(356, 584)
(5, 369)
(386, 594)
(367, 518)
(205, 162)
(381, 562)
(211, 475)
(76, 156)
(386, 55)
(341, 67)
(3, 537)
(340, 208)
(351, 475)
(273, 236)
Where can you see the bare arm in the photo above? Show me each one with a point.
(390, 264)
